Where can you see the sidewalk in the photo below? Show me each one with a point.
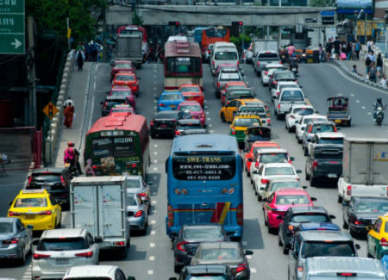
(78, 90)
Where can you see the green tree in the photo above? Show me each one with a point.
(51, 15)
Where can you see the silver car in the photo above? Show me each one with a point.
(136, 184)
(15, 240)
(60, 249)
(137, 213)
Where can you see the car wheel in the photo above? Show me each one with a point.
(299, 140)
(345, 225)
(177, 268)
(313, 181)
(144, 231)
(307, 176)
(122, 252)
(22, 259)
(339, 200)
(285, 250)
(259, 198)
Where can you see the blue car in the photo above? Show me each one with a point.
(384, 261)
(169, 100)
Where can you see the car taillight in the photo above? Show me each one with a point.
(177, 132)
(133, 165)
(279, 106)
(258, 63)
(85, 254)
(48, 212)
(139, 213)
(335, 129)
(264, 181)
(143, 194)
(241, 268)
(266, 72)
(119, 243)
(40, 256)
(384, 242)
(233, 132)
(151, 123)
(218, 84)
(300, 268)
(349, 190)
(161, 105)
(11, 241)
(63, 181)
(181, 246)
(346, 274)
(356, 222)
(29, 179)
(240, 215)
(170, 216)
(13, 214)
(315, 164)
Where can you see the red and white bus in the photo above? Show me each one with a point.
(182, 63)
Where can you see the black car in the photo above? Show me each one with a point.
(55, 180)
(299, 215)
(164, 123)
(188, 239)
(187, 124)
(324, 162)
(193, 131)
(206, 272)
(360, 212)
(110, 102)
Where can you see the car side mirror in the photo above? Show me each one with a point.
(304, 187)
(248, 252)
(313, 199)
(332, 217)
(292, 158)
(98, 239)
(298, 171)
(358, 247)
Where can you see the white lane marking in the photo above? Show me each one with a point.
(207, 113)
(152, 245)
(209, 119)
(352, 95)
(155, 161)
(155, 168)
(211, 131)
(153, 202)
(155, 145)
(153, 222)
(153, 232)
(210, 125)
(155, 153)
(340, 94)
(357, 101)
(155, 211)
(369, 113)
(253, 270)
(150, 272)
(363, 107)
(151, 258)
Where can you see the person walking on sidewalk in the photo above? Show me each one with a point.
(68, 113)
(373, 73)
(379, 64)
(80, 59)
(368, 62)
(369, 45)
(357, 48)
(68, 102)
(354, 70)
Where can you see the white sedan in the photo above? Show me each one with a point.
(296, 113)
(270, 171)
(301, 125)
(268, 71)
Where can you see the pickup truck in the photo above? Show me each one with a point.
(287, 98)
(263, 58)
(365, 165)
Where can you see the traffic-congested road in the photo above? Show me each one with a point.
(150, 256)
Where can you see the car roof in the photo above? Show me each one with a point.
(295, 106)
(330, 135)
(166, 92)
(281, 83)
(308, 209)
(277, 164)
(277, 180)
(316, 235)
(207, 269)
(274, 65)
(34, 193)
(290, 191)
(319, 122)
(8, 220)
(293, 89)
(188, 85)
(47, 170)
(271, 151)
(223, 244)
(63, 232)
(258, 144)
(88, 271)
(191, 102)
(125, 73)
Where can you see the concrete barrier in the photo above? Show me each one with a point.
(57, 122)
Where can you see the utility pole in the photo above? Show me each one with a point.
(31, 74)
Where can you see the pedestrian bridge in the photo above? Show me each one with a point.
(251, 15)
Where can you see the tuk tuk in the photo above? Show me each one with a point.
(256, 133)
(338, 110)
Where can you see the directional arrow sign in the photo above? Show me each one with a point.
(12, 27)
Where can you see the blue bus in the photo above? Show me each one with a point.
(204, 183)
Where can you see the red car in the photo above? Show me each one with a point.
(122, 109)
(192, 92)
(195, 110)
(249, 156)
(279, 202)
(127, 79)
(124, 90)
(236, 84)
(121, 66)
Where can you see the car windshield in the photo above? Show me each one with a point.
(220, 254)
(245, 122)
(191, 108)
(167, 115)
(292, 95)
(285, 185)
(252, 109)
(125, 78)
(310, 218)
(307, 120)
(272, 171)
(203, 234)
(30, 202)
(303, 111)
(170, 97)
(124, 66)
(225, 56)
(331, 141)
(328, 248)
(274, 158)
(323, 128)
(371, 206)
(6, 227)
(208, 277)
(292, 199)
(133, 184)
(121, 92)
(268, 55)
(42, 178)
(62, 244)
(230, 77)
(284, 76)
(190, 89)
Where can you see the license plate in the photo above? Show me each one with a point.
(62, 261)
(332, 175)
(29, 217)
(172, 106)
(337, 121)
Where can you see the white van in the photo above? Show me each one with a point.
(223, 53)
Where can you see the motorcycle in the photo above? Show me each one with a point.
(379, 115)
(294, 69)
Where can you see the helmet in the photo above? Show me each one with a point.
(379, 99)
(70, 144)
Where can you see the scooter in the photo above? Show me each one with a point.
(379, 114)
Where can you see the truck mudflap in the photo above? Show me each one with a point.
(350, 190)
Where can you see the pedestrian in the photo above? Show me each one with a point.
(383, 81)
(337, 47)
(69, 154)
(348, 50)
(68, 102)
(369, 45)
(80, 60)
(357, 48)
(379, 64)
(3, 162)
(373, 73)
(89, 171)
(368, 62)
(354, 70)
(68, 113)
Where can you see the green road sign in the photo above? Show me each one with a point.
(12, 27)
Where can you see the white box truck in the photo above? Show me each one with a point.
(364, 168)
(99, 205)
(129, 46)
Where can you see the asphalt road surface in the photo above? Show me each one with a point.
(150, 256)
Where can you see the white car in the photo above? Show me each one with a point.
(287, 98)
(280, 183)
(301, 125)
(275, 92)
(93, 272)
(296, 112)
(270, 171)
(268, 70)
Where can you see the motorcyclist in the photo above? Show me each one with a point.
(293, 63)
(379, 103)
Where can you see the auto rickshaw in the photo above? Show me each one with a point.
(338, 110)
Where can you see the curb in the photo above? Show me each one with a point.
(354, 76)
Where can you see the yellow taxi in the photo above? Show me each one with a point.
(378, 238)
(240, 124)
(36, 208)
(228, 111)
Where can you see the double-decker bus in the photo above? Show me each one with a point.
(204, 183)
(182, 63)
(118, 144)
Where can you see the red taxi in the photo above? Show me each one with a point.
(127, 79)
(121, 66)
(122, 109)
(192, 92)
(124, 91)
(249, 156)
(194, 109)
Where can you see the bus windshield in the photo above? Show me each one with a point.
(183, 65)
(113, 146)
